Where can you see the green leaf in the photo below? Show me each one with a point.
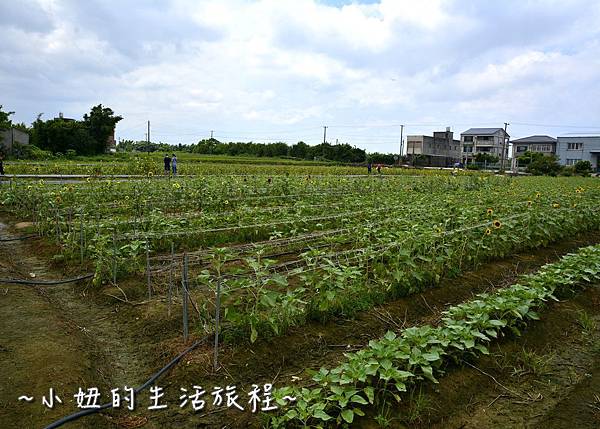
(348, 415)
(320, 414)
(359, 400)
(370, 392)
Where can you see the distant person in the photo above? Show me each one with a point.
(167, 162)
(379, 168)
(174, 165)
(1, 165)
(369, 167)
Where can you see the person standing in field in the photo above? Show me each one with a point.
(167, 162)
(379, 168)
(174, 165)
(1, 165)
(369, 167)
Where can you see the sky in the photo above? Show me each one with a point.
(281, 70)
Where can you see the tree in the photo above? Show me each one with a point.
(100, 124)
(5, 122)
(583, 167)
(486, 158)
(543, 165)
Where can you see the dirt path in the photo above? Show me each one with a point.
(57, 337)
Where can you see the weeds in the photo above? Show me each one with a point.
(587, 323)
(530, 362)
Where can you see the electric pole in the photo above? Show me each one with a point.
(148, 135)
(211, 134)
(324, 139)
(504, 138)
(401, 143)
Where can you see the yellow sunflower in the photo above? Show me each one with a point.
(538, 195)
(556, 205)
(529, 203)
(490, 212)
(488, 231)
(497, 224)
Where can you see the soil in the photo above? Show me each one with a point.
(74, 336)
(547, 378)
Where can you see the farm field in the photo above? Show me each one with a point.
(351, 294)
(150, 164)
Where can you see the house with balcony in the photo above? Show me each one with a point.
(439, 150)
(572, 149)
(539, 144)
(483, 140)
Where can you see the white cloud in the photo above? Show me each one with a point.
(194, 65)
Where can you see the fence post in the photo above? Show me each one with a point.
(114, 259)
(217, 316)
(170, 296)
(148, 268)
(184, 288)
(81, 233)
(57, 229)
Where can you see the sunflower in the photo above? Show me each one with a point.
(574, 205)
(490, 212)
(579, 190)
(529, 203)
(538, 195)
(556, 205)
(497, 224)
(488, 231)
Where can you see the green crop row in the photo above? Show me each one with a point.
(388, 366)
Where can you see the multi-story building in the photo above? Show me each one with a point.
(483, 140)
(572, 149)
(441, 150)
(539, 144)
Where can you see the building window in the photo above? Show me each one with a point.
(541, 148)
(484, 138)
(574, 146)
(521, 149)
(468, 149)
(573, 161)
(468, 138)
(484, 149)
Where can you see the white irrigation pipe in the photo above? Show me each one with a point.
(257, 225)
(310, 235)
(381, 248)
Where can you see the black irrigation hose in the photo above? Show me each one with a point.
(46, 282)
(150, 381)
(4, 240)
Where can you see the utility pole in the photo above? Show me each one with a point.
(148, 135)
(211, 134)
(401, 143)
(324, 139)
(504, 138)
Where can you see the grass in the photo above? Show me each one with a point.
(530, 362)
(586, 322)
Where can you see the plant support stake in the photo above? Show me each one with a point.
(217, 315)
(170, 297)
(148, 269)
(184, 288)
